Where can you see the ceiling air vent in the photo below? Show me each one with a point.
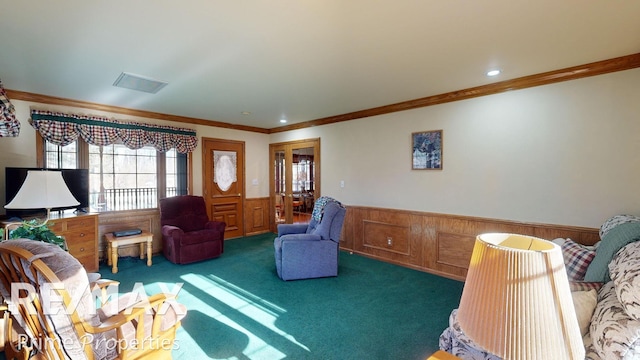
(139, 83)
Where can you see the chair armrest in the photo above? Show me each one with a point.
(300, 237)
(158, 303)
(215, 225)
(284, 229)
(103, 283)
(172, 231)
(103, 286)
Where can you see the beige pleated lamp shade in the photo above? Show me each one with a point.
(516, 302)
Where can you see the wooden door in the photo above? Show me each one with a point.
(294, 180)
(223, 183)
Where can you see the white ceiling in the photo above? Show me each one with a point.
(297, 59)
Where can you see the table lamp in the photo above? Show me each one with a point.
(516, 302)
(42, 189)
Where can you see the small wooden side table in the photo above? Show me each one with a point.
(113, 242)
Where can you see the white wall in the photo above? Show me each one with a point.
(566, 153)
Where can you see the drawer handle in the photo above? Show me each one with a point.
(81, 249)
(81, 234)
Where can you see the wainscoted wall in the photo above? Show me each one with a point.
(436, 243)
(148, 220)
(256, 216)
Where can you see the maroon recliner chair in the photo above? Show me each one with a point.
(187, 234)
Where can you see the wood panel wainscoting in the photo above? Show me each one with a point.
(256, 216)
(145, 220)
(436, 243)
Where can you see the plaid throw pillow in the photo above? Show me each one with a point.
(576, 259)
(584, 285)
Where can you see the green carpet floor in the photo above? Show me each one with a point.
(240, 309)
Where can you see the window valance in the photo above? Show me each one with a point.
(9, 125)
(63, 129)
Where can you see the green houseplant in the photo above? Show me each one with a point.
(32, 229)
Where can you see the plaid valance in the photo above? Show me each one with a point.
(9, 125)
(63, 129)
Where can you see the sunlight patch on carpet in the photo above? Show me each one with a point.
(253, 307)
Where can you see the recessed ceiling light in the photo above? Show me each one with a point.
(246, 113)
(283, 120)
(493, 72)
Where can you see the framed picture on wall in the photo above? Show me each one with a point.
(426, 150)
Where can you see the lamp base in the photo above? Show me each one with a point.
(442, 355)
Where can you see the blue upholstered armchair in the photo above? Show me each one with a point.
(305, 251)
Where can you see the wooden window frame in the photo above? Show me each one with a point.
(83, 163)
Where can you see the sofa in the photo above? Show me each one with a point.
(606, 293)
(610, 315)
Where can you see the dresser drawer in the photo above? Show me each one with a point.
(81, 249)
(57, 226)
(86, 261)
(80, 238)
(64, 225)
(80, 223)
(81, 234)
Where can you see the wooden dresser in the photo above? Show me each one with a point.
(81, 234)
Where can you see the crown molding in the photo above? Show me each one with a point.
(52, 100)
(572, 73)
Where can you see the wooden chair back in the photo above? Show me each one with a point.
(18, 266)
(63, 327)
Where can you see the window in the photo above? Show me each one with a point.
(121, 178)
(61, 157)
(176, 173)
(303, 174)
